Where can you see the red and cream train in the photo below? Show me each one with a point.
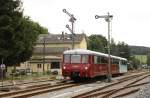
(80, 63)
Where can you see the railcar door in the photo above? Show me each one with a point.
(114, 66)
(96, 66)
(122, 66)
(104, 65)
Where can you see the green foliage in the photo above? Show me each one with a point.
(10, 15)
(113, 48)
(148, 59)
(134, 62)
(139, 50)
(123, 50)
(17, 33)
(141, 58)
(97, 43)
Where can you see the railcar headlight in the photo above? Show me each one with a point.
(64, 67)
(86, 68)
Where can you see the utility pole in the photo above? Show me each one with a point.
(108, 19)
(72, 20)
(43, 54)
(2, 67)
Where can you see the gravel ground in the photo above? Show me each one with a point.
(69, 92)
(143, 93)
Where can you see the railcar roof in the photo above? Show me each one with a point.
(83, 51)
(120, 58)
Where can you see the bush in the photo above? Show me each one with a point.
(55, 72)
(22, 71)
(48, 72)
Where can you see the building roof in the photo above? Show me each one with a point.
(49, 50)
(59, 38)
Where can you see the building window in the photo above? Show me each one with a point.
(39, 66)
(55, 65)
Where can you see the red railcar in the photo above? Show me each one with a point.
(79, 63)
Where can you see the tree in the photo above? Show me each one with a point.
(113, 48)
(123, 50)
(148, 59)
(24, 40)
(17, 33)
(134, 62)
(97, 43)
(10, 14)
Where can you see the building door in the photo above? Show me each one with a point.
(55, 65)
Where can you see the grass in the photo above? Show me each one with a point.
(34, 76)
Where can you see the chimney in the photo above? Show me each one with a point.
(62, 35)
(65, 36)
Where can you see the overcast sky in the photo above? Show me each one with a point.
(131, 18)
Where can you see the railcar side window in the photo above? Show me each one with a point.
(104, 60)
(112, 61)
(98, 59)
(115, 61)
(123, 62)
(84, 58)
(67, 58)
(75, 58)
(95, 59)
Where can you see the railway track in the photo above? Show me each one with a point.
(24, 83)
(128, 89)
(125, 91)
(44, 88)
(122, 87)
(36, 90)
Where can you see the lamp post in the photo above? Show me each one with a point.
(108, 19)
(72, 20)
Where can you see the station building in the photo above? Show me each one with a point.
(47, 54)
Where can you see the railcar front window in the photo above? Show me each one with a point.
(75, 58)
(84, 58)
(67, 58)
